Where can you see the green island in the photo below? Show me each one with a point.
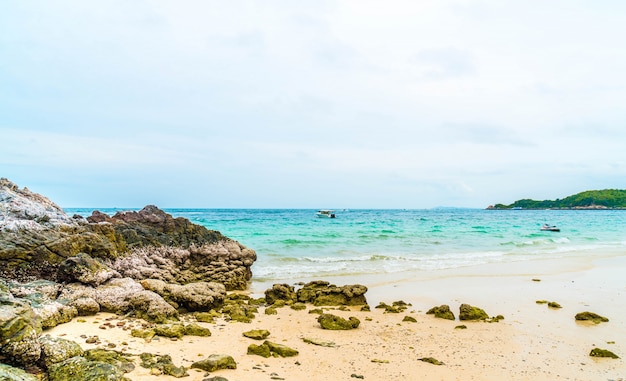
(592, 200)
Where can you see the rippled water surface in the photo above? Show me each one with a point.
(293, 243)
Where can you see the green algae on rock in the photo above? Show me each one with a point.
(257, 334)
(298, 306)
(262, 350)
(146, 334)
(215, 362)
(554, 305)
(597, 352)
(9, 373)
(590, 316)
(334, 322)
(163, 364)
(120, 360)
(280, 349)
(194, 329)
(431, 360)
(80, 369)
(55, 350)
(443, 312)
(321, 343)
(170, 330)
(468, 312)
(410, 319)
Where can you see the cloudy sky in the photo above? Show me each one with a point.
(312, 104)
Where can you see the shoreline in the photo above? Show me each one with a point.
(533, 342)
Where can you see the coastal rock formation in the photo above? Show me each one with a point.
(146, 264)
(36, 237)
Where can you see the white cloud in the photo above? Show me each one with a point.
(456, 100)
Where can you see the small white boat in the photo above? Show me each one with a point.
(325, 213)
(550, 228)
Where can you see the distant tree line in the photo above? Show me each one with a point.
(595, 199)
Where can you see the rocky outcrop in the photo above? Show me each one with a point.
(36, 237)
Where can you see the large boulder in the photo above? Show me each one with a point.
(36, 237)
(125, 296)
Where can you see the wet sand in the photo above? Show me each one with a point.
(533, 342)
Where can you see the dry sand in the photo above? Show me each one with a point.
(534, 342)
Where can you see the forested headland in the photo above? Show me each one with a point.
(593, 199)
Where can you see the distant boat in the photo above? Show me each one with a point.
(550, 228)
(325, 213)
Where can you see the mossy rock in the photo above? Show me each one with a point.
(431, 360)
(205, 317)
(118, 359)
(597, 352)
(194, 329)
(257, 334)
(468, 312)
(80, 369)
(280, 292)
(281, 350)
(388, 308)
(443, 312)
(147, 334)
(262, 350)
(55, 350)
(318, 311)
(240, 312)
(554, 305)
(462, 326)
(170, 330)
(541, 302)
(215, 362)
(163, 364)
(9, 373)
(271, 311)
(590, 316)
(410, 319)
(298, 306)
(334, 322)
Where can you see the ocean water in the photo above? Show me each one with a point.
(294, 244)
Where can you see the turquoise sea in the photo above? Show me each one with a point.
(294, 244)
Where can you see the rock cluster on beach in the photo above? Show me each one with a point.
(146, 264)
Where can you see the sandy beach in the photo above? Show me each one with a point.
(533, 342)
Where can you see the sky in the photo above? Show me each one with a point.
(312, 104)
